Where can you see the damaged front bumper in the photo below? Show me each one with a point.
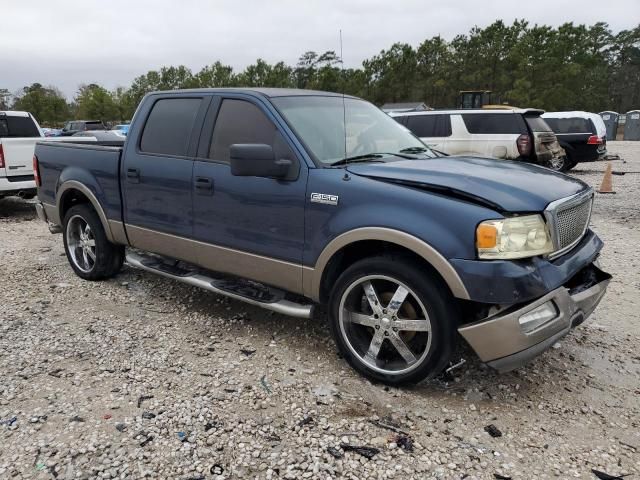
(512, 337)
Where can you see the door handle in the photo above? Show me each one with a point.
(204, 186)
(133, 175)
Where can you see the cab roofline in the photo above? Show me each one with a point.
(523, 111)
(265, 92)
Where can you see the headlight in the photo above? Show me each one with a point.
(515, 237)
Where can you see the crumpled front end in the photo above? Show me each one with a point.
(517, 334)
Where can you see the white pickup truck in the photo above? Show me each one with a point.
(19, 132)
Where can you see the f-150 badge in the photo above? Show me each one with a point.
(324, 198)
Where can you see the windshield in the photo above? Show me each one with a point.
(319, 123)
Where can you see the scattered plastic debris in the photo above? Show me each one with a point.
(40, 466)
(216, 469)
(248, 351)
(367, 452)
(121, 427)
(142, 398)
(263, 382)
(403, 441)
(9, 421)
(501, 477)
(148, 415)
(182, 436)
(493, 431)
(76, 418)
(146, 441)
(305, 421)
(107, 416)
(606, 476)
(388, 424)
(335, 453)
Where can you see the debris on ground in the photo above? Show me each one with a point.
(606, 476)
(367, 452)
(265, 385)
(248, 351)
(493, 431)
(216, 469)
(9, 421)
(403, 441)
(335, 453)
(142, 398)
(305, 421)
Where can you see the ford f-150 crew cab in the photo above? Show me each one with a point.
(291, 198)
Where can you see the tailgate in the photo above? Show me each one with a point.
(547, 146)
(18, 155)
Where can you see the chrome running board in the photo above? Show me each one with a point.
(271, 299)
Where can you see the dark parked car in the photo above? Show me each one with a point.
(76, 126)
(290, 198)
(583, 135)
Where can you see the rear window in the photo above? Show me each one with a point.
(429, 125)
(94, 126)
(537, 124)
(570, 125)
(494, 123)
(11, 126)
(169, 126)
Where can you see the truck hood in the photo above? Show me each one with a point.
(503, 185)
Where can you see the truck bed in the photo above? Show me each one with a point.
(98, 166)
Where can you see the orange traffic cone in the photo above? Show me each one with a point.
(607, 185)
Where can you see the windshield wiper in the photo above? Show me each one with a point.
(368, 157)
(414, 150)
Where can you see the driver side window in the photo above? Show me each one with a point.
(240, 121)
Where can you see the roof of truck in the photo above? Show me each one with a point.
(465, 111)
(267, 92)
(14, 113)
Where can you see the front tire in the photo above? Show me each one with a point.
(91, 255)
(393, 321)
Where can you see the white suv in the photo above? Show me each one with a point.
(513, 134)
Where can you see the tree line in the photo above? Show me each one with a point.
(570, 67)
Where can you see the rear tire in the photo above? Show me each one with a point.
(392, 320)
(91, 255)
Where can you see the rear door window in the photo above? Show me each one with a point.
(18, 127)
(494, 123)
(430, 125)
(239, 121)
(169, 125)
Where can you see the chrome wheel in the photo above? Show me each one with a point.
(557, 163)
(81, 243)
(385, 325)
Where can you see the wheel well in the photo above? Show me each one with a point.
(71, 198)
(349, 254)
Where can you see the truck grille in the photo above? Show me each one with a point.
(572, 222)
(571, 219)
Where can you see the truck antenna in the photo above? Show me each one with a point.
(344, 108)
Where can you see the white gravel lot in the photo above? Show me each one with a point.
(141, 376)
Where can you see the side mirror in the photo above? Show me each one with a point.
(257, 160)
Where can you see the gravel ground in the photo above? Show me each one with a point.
(141, 376)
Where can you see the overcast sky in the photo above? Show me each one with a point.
(68, 42)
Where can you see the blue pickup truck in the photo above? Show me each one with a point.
(290, 198)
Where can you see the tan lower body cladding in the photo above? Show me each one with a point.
(277, 273)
